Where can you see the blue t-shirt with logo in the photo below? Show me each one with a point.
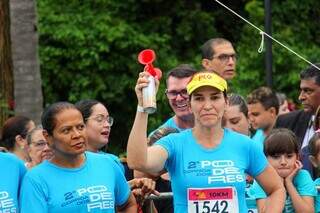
(12, 172)
(303, 184)
(192, 166)
(97, 186)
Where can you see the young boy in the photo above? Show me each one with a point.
(263, 108)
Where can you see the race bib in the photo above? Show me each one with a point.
(252, 211)
(213, 200)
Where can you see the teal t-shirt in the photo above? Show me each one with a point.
(317, 201)
(115, 158)
(170, 123)
(250, 200)
(304, 186)
(98, 185)
(259, 138)
(192, 167)
(12, 172)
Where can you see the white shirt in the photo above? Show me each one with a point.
(309, 133)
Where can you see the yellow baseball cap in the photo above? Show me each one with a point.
(206, 79)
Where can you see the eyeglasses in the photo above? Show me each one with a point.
(101, 119)
(2, 149)
(173, 94)
(39, 144)
(224, 58)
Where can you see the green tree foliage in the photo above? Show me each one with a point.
(88, 48)
(294, 24)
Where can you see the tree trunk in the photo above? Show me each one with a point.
(6, 73)
(24, 43)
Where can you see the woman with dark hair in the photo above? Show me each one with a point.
(98, 126)
(14, 133)
(236, 115)
(236, 118)
(73, 180)
(207, 163)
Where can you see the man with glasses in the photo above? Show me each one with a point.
(219, 56)
(176, 92)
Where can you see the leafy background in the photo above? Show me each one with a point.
(88, 48)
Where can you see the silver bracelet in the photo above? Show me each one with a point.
(140, 109)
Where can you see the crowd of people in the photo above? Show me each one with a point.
(215, 153)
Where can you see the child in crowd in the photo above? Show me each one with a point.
(263, 109)
(281, 149)
(314, 157)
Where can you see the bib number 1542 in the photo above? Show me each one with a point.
(213, 200)
(211, 207)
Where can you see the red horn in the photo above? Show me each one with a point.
(146, 56)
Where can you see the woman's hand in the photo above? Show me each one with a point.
(142, 188)
(146, 186)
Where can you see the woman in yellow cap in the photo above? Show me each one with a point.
(207, 163)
